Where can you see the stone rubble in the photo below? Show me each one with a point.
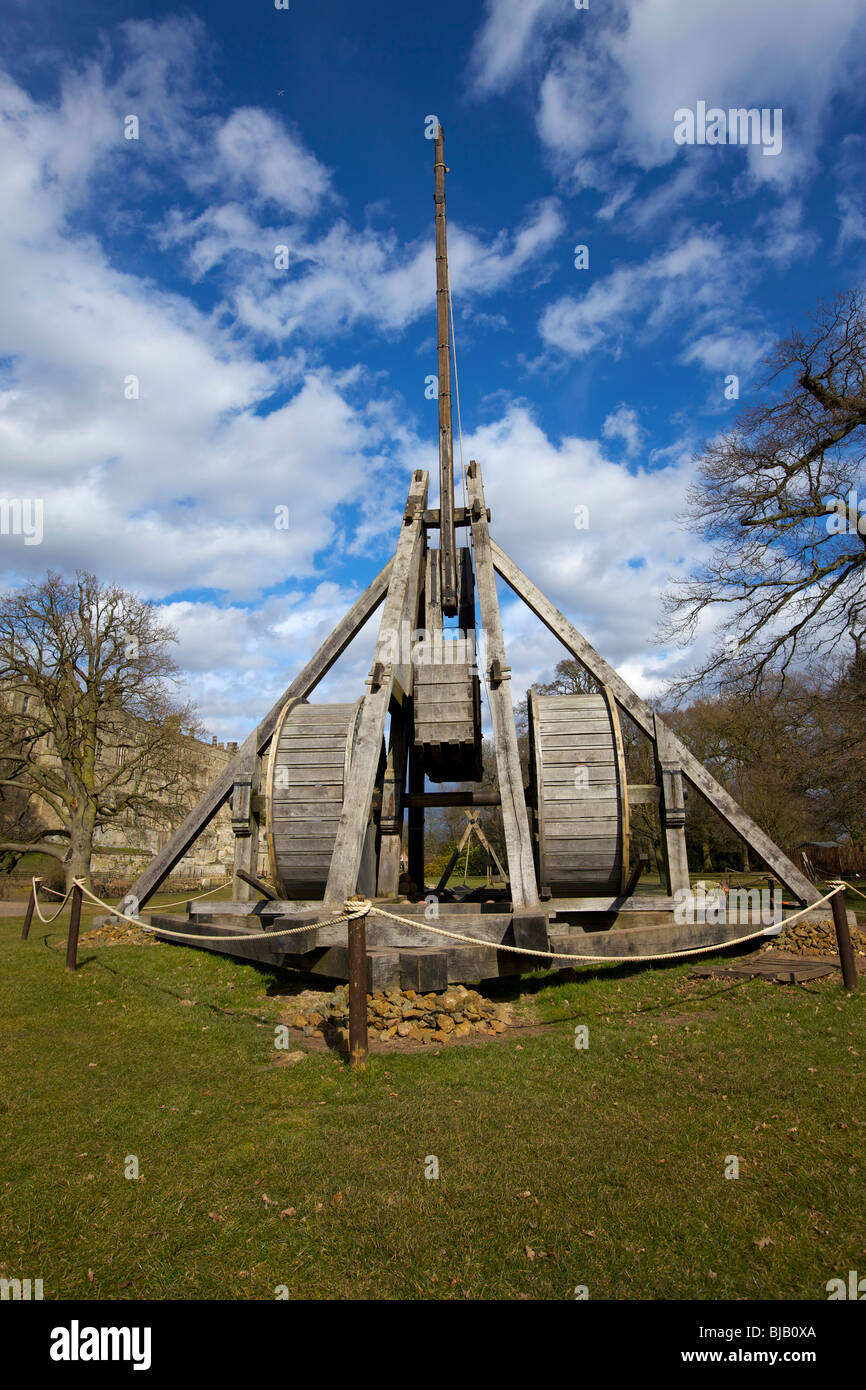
(806, 938)
(404, 1013)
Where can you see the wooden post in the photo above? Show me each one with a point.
(515, 821)
(415, 828)
(358, 991)
(245, 825)
(843, 940)
(672, 811)
(447, 556)
(391, 819)
(31, 906)
(74, 923)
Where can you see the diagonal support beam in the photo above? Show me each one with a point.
(702, 780)
(515, 821)
(392, 668)
(257, 741)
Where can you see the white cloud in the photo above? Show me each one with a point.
(612, 80)
(345, 277)
(690, 275)
(506, 40)
(623, 424)
(259, 157)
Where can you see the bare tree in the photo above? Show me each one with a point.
(88, 723)
(772, 497)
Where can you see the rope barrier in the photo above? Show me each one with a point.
(196, 936)
(362, 907)
(48, 920)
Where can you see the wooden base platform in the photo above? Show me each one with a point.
(406, 956)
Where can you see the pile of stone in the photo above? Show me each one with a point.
(403, 1013)
(807, 938)
(117, 933)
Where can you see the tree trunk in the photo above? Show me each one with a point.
(708, 859)
(77, 862)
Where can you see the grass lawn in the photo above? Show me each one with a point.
(558, 1167)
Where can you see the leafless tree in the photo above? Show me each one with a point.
(775, 498)
(89, 725)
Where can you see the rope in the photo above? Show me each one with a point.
(49, 920)
(840, 883)
(560, 955)
(362, 907)
(354, 911)
(181, 901)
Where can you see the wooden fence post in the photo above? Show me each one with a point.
(358, 991)
(74, 922)
(843, 939)
(31, 905)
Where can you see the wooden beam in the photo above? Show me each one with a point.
(257, 741)
(672, 809)
(245, 824)
(446, 557)
(518, 843)
(462, 517)
(702, 780)
(415, 826)
(391, 822)
(468, 798)
(405, 580)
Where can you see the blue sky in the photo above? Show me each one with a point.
(304, 387)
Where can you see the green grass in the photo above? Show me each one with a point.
(607, 1164)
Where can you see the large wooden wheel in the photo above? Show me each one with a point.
(579, 794)
(309, 762)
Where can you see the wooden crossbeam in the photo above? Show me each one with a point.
(702, 780)
(403, 595)
(515, 821)
(258, 740)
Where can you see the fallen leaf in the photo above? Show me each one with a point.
(763, 1242)
(289, 1211)
(215, 1216)
(530, 1253)
(336, 1199)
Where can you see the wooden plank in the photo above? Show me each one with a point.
(703, 781)
(521, 866)
(257, 741)
(403, 594)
